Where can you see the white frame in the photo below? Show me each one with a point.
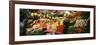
(45, 37)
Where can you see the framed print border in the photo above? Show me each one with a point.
(12, 21)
